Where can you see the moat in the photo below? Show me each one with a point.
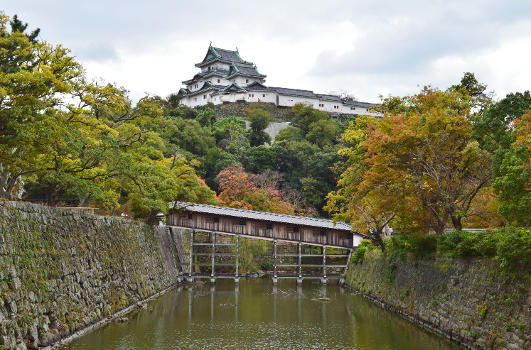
(258, 315)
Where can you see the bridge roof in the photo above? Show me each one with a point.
(260, 215)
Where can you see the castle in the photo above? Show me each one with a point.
(226, 77)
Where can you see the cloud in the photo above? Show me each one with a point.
(96, 52)
(364, 47)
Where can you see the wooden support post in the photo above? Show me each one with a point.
(299, 278)
(342, 277)
(213, 272)
(191, 267)
(323, 279)
(275, 279)
(237, 279)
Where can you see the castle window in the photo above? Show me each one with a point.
(246, 80)
(219, 81)
(204, 97)
(263, 95)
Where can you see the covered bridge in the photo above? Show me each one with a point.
(262, 225)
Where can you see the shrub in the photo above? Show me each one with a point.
(357, 257)
(513, 249)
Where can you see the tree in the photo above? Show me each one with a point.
(420, 167)
(18, 26)
(206, 116)
(260, 158)
(304, 115)
(259, 119)
(472, 89)
(433, 149)
(231, 135)
(497, 130)
(239, 189)
(76, 141)
(323, 133)
(33, 78)
(368, 202)
(291, 133)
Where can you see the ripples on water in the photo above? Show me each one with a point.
(257, 315)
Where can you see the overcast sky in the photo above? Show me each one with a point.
(365, 48)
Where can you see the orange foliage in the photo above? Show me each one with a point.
(483, 211)
(240, 189)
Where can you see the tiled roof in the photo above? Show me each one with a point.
(259, 215)
(233, 87)
(360, 104)
(228, 55)
(294, 92)
(256, 86)
(222, 54)
(329, 97)
(242, 69)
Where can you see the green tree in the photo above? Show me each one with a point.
(260, 119)
(494, 129)
(231, 135)
(258, 159)
(323, 133)
(304, 115)
(206, 116)
(291, 133)
(75, 141)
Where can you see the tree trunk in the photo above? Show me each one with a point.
(439, 227)
(376, 237)
(456, 221)
(52, 192)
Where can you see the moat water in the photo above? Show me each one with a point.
(257, 315)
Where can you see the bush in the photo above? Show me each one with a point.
(417, 245)
(359, 253)
(510, 246)
(513, 249)
(464, 244)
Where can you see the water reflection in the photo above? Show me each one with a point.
(258, 315)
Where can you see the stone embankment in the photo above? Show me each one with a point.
(237, 109)
(61, 271)
(472, 302)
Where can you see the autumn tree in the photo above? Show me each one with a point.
(433, 149)
(419, 166)
(366, 197)
(239, 189)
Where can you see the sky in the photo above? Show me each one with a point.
(363, 48)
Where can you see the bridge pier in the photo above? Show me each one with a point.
(275, 276)
(237, 278)
(323, 278)
(213, 270)
(299, 278)
(191, 265)
(292, 264)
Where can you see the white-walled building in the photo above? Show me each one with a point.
(225, 77)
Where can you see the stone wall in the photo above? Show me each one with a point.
(237, 109)
(472, 302)
(61, 271)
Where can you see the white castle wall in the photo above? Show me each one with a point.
(271, 97)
